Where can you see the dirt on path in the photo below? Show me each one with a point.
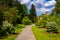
(26, 34)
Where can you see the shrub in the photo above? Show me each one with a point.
(41, 23)
(7, 28)
(11, 15)
(52, 27)
(26, 21)
(20, 25)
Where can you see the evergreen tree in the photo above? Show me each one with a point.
(22, 11)
(33, 13)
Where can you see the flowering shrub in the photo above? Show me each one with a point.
(52, 27)
(7, 28)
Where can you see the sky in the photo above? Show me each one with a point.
(41, 5)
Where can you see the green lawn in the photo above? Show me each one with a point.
(12, 36)
(41, 34)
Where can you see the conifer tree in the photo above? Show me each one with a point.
(33, 13)
(22, 11)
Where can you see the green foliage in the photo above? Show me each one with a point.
(56, 10)
(52, 27)
(18, 21)
(13, 36)
(13, 12)
(41, 34)
(41, 23)
(1, 17)
(51, 23)
(54, 19)
(7, 28)
(11, 3)
(33, 14)
(22, 11)
(1, 21)
(26, 21)
(20, 25)
(11, 15)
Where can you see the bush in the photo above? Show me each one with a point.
(52, 27)
(7, 28)
(41, 23)
(20, 26)
(26, 21)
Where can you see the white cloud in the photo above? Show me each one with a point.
(43, 9)
(24, 1)
(50, 3)
(41, 5)
(46, 6)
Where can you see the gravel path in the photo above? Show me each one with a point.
(26, 34)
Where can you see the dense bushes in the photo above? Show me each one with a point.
(41, 23)
(51, 23)
(26, 21)
(11, 15)
(7, 28)
(52, 27)
(15, 13)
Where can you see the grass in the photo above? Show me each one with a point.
(12, 36)
(41, 34)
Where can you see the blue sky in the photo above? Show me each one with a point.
(41, 5)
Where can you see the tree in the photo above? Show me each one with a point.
(56, 10)
(1, 21)
(11, 3)
(5, 4)
(11, 15)
(22, 11)
(1, 18)
(33, 13)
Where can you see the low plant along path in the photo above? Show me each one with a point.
(26, 34)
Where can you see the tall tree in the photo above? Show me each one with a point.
(22, 11)
(1, 17)
(11, 3)
(5, 4)
(1, 21)
(56, 10)
(33, 13)
(11, 15)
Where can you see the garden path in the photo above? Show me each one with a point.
(26, 34)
